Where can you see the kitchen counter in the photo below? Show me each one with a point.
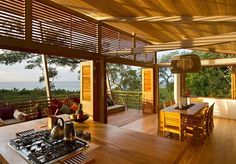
(115, 145)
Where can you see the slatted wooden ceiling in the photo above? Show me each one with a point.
(180, 23)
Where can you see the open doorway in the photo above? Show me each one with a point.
(124, 94)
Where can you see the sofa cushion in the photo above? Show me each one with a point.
(74, 107)
(65, 109)
(6, 112)
(20, 116)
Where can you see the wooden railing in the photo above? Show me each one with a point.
(132, 99)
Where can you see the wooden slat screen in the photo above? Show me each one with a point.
(146, 57)
(126, 42)
(109, 39)
(12, 19)
(140, 43)
(56, 27)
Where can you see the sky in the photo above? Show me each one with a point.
(18, 73)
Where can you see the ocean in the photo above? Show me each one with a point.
(67, 85)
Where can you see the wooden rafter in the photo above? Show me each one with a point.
(173, 19)
(187, 43)
(210, 63)
(216, 50)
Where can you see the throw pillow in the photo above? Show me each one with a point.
(19, 115)
(77, 100)
(74, 107)
(1, 122)
(6, 112)
(56, 103)
(68, 102)
(65, 109)
(110, 102)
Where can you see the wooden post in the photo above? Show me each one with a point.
(100, 91)
(156, 88)
(183, 84)
(46, 77)
(177, 91)
(28, 20)
(233, 82)
(134, 44)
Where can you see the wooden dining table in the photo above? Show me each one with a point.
(113, 144)
(192, 109)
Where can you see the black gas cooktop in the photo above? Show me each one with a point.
(37, 147)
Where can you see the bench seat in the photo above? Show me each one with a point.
(115, 109)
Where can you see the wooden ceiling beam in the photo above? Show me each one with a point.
(188, 43)
(215, 50)
(172, 19)
(209, 63)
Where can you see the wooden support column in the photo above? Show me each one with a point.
(183, 84)
(100, 91)
(177, 90)
(134, 44)
(28, 20)
(156, 100)
(46, 76)
(233, 82)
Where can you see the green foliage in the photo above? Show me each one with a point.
(124, 77)
(166, 77)
(210, 82)
(212, 55)
(31, 94)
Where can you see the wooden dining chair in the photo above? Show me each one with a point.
(173, 102)
(172, 123)
(196, 127)
(161, 122)
(210, 118)
(196, 100)
(166, 104)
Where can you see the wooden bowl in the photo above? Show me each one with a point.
(85, 117)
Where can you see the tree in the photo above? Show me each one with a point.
(166, 77)
(211, 81)
(124, 77)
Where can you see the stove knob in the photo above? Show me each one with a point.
(43, 146)
(32, 150)
(87, 136)
(39, 144)
(28, 148)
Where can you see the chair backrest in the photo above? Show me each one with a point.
(172, 119)
(211, 110)
(196, 100)
(172, 102)
(167, 104)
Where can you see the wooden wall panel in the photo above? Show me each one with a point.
(86, 86)
(147, 90)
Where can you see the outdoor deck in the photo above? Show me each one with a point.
(220, 147)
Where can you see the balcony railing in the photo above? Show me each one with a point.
(132, 99)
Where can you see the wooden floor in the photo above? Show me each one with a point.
(219, 148)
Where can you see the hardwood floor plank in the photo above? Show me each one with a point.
(220, 146)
